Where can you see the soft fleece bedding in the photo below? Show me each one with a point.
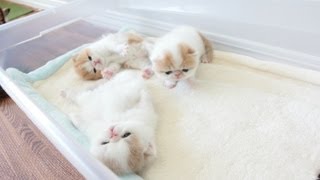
(26, 81)
(242, 119)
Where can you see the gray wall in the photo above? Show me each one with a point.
(291, 26)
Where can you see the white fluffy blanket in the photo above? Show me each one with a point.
(243, 119)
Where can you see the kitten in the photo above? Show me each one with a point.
(177, 54)
(3, 15)
(100, 59)
(119, 119)
(104, 58)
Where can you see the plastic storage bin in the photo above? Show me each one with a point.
(21, 45)
(285, 31)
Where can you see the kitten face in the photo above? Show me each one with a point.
(125, 148)
(176, 66)
(126, 49)
(87, 65)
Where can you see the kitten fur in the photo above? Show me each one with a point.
(105, 57)
(177, 54)
(109, 113)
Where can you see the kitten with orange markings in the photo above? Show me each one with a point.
(176, 55)
(105, 57)
(120, 124)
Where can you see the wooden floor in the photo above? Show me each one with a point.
(24, 151)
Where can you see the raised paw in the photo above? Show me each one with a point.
(107, 73)
(206, 59)
(147, 73)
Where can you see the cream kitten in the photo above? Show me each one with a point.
(177, 54)
(120, 121)
(104, 58)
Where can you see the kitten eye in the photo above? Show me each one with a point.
(168, 72)
(126, 134)
(185, 70)
(104, 142)
(89, 57)
(94, 70)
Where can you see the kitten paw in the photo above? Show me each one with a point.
(147, 73)
(205, 59)
(107, 73)
(170, 84)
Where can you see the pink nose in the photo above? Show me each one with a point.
(177, 74)
(113, 133)
(95, 62)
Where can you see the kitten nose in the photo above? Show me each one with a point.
(113, 133)
(177, 74)
(95, 62)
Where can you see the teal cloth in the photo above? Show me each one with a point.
(25, 81)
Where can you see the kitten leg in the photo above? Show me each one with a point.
(207, 57)
(139, 63)
(142, 64)
(170, 84)
(110, 71)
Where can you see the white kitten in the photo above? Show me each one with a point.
(104, 58)
(120, 121)
(177, 54)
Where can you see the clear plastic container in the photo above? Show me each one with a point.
(286, 32)
(22, 43)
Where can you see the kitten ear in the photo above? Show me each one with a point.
(82, 54)
(75, 57)
(150, 151)
(186, 49)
